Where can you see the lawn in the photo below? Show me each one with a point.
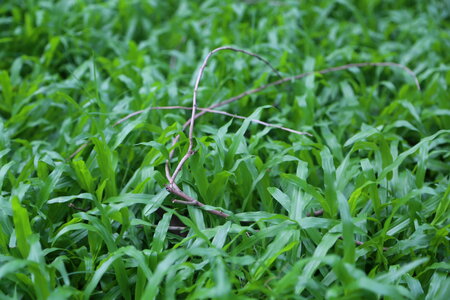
(318, 165)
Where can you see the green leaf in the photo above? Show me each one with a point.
(281, 197)
(310, 189)
(84, 177)
(22, 226)
(329, 180)
(161, 232)
(327, 242)
(7, 93)
(105, 163)
(64, 199)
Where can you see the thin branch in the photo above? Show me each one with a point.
(216, 112)
(278, 82)
(129, 116)
(246, 93)
(359, 243)
(303, 75)
(188, 154)
(261, 88)
(78, 151)
(315, 213)
(188, 200)
(71, 205)
(172, 187)
(194, 102)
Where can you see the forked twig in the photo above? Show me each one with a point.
(172, 187)
(194, 116)
(189, 152)
(188, 200)
(215, 112)
(303, 75)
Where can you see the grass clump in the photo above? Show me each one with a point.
(356, 208)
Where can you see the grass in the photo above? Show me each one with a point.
(99, 223)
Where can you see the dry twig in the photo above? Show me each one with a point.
(303, 75)
(315, 213)
(215, 112)
(172, 186)
(189, 152)
(71, 205)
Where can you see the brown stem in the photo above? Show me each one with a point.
(215, 112)
(359, 243)
(315, 213)
(71, 205)
(287, 79)
(171, 187)
(194, 104)
(78, 150)
(174, 189)
(300, 76)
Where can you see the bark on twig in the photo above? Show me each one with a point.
(215, 112)
(303, 75)
(78, 150)
(359, 243)
(71, 205)
(189, 152)
(315, 213)
(171, 186)
(188, 200)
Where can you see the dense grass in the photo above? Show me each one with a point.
(97, 225)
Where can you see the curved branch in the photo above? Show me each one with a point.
(303, 75)
(189, 153)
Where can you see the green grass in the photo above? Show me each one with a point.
(98, 224)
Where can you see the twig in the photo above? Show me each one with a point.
(215, 112)
(303, 75)
(315, 213)
(129, 116)
(189, 153)
(359, 243)
(78, 150)
(172, 187)
(71, 205)
(287, 79)
(191, 122)
(188, 200)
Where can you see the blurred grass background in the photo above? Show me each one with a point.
(378, 161)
